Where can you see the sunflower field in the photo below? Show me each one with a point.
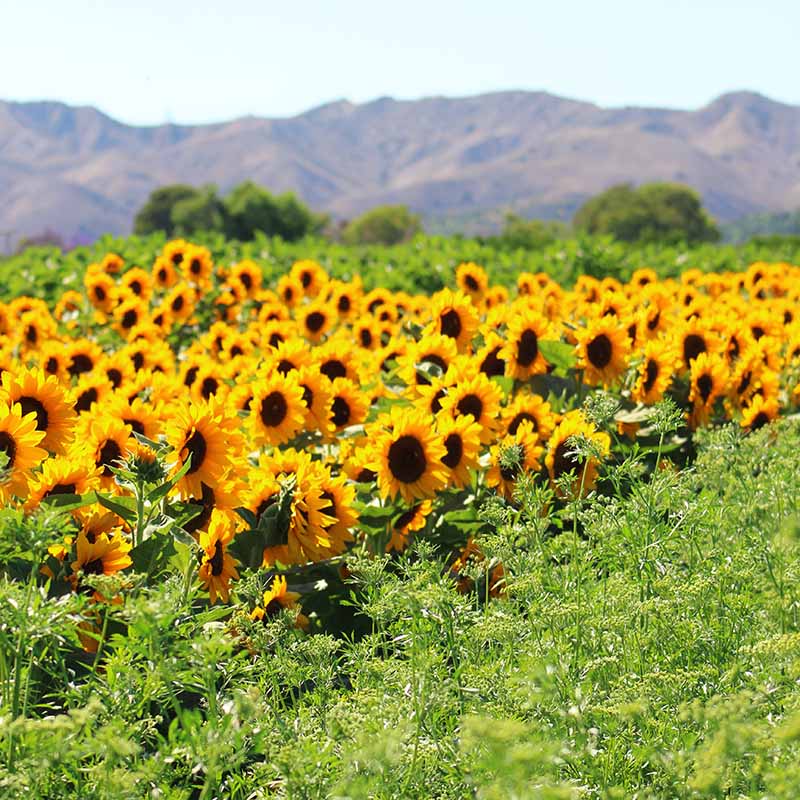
(298, 535)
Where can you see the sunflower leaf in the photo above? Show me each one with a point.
(560, 354)
(117, 506)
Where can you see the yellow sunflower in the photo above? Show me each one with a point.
(19, 439)
(217, 566)
(348, 404)
(515, 454)
(407, 457)
(477, 397)
(72, 473)
(277, 409)
(275, 600)
(472, 280)
(708, 381)
(461, 437)
(603, 347)
(106, 555)
(561, 458)
(453, 315)
(407, 522)
(656, 372)
(521, 349)
(760, 412)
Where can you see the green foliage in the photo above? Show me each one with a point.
(766, 227)
(156, 214)
(202, 211)
(383, 225)
(653, 212)
(528, 234)
(252, 209)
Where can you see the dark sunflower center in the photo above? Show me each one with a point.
(246, 280)
(191, 374)
(85, 400)
(177, 303)
(455, 450)
(705, 385)
(60, 488)
(491, 365)
(450, 323)
(528, 348)
(314, 321)
(365, 335)
(693, 345)
(405, 519)
(109, 453)
(523, 416)
(744, 383)
(285, 366)
(273, 608)
(432, 358)
(308, 396)
(51, 366)
(509, 472)
(273, 409)
(100, 293)
(758, 332)
(136, 287)
(8, 446)
(209, 387)
(31, 404)
(564, 461)
(129, 318)
(652, 323)
(472, 284)
(195, 266)
(365, 476)
(407, 459)
(470, 404)
(177, 258)
(341, 412)
(206, 503)
(344, 304)
(136, 425)
(306, 278)
(138, 360)
(162, 275)
(759, 421)
(650, 374)
(436, 401)
(599, 351)
(80, 363)
(93, 567)
(218, 559)
(333, 369)
(31, 334)
(197, 448)
(115, 376)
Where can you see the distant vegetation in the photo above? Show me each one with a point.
(764, 226)
(383, 225)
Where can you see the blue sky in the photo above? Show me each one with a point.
(147, 62)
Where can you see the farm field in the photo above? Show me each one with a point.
(439, 520)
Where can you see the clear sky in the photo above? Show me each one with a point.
(150, 61)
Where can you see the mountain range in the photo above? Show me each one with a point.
(80, 173)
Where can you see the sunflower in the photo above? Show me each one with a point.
(602, 348)
(477, 397)
(137, 282)
(528, 407)
(209, 434)
(461, 437)
(43, 395)
(453, 315)
(514, 454)
(656, 371)
(472, 280)
(106, 439)
(407, 522)
(128, 314)
(249, 275)
(210, 381)
(225, 498)
(340, 497)
(72, 473)
(431, 350)
(407, 457)
(53, 360)
(275, 600)
(337, 359)
(276, 413)
(19, 440)
(367, 333)
(291, 354)
(707, 380)
(290, 290)
(316, 320)
(106, 555)
(100, 290)
(197, 266)
(217, 566)
(310, 275)
(694, 339)
(180, 302)
(760, 412)
(348, 404)
(91, 389)
(521, 351)
(561, 458)
(175, 250)
(84, 356)
(165, 276)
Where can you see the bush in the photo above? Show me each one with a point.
(383, 225)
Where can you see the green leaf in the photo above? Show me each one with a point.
(153, 554)
(69, 502)
(560, 354)
(120, 506)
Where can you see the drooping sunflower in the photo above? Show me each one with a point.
(603, 347)
(708, 381)
(659, 364)
(275, 600)
(760, 412)
(461, 437)
(19, 440)
(106, 555)
(72, 473)
(44, 396)
(217, 566)
(477, 397)
(561, 458)
(277, 410)
(514, 455)
(521, 351)
(528, 407)
(209, 434)
(407, 457)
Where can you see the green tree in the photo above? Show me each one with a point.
(156, 214)
(529, 234)
(383, 225)
(251, 208)
(203, 211)
(653, 212)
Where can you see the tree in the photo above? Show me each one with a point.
(529, 234)
(383, 225)
(653, 212)
(204, 211)
(156, 214)
(251, 208)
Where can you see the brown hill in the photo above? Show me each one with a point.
(81, 173)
